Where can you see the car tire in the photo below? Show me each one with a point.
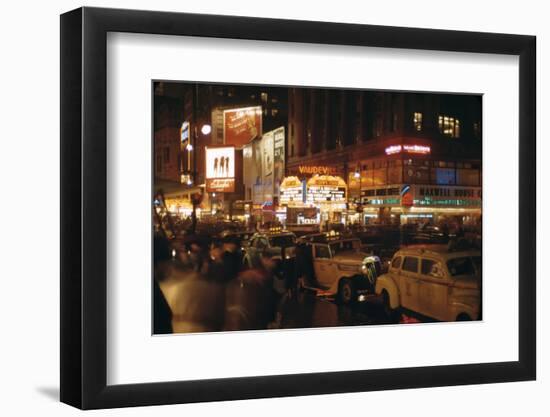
(391, 313)
(346, 291)
(463, 317)
(300, 284)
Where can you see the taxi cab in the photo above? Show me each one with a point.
(433, 282)
(281, 244)
(342, 268)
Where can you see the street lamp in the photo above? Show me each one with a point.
(206, 129)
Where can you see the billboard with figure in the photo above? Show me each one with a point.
(220, 168)
(242, 125)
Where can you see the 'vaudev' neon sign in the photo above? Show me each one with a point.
(418, 149)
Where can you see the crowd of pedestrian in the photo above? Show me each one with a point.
(204, 286)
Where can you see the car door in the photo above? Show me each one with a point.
(409, 282)
(433, 289)
(323, 265)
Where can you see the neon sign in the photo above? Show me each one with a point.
(417, 149)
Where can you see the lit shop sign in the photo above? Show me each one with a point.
(184, 132)
(292, 191)
(416, 149)
(447, 202)
(317, 170)
(220, 185)
(449, 192)
(382, 201)
(220, 162)
(326, 189)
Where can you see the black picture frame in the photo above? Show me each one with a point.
(84, 207)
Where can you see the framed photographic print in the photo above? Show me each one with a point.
(256, 208)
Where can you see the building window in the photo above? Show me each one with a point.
(166, 155)
(449, 126)
(417, 121)
(477, 130)
(378, 125)
(159, 164)
(468, 177)
(394, 122)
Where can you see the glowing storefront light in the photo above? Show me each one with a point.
(326, 189)
(415, 149)
(292, 191)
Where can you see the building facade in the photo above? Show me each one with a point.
(185, 124)
(403, 156)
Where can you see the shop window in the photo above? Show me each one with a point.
(417, 174)
(417, 121)
(467, 177)
(449, 126)
(443, 176)
(369, 193)
(395, 174)
(379, 176)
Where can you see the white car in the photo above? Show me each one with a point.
(340, 267)
(433, 282)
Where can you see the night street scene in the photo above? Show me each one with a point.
(281, 207)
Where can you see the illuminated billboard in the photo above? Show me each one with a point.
(242, 125)
(278, 159)
(326, 189)
(220, 169)
(291, 191)
(220, 162)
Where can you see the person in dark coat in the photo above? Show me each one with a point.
(162, 315)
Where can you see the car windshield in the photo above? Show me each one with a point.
(282, 241)
(461, 266)
(477, 263)
(344, 246)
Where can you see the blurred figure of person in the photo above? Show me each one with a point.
(162, 314)
(197, 303)
(195, 254)
(224, 263)
(250, 299)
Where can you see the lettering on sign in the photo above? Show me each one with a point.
(313, 170)
(416, 149)
(220, 185)
(449, 192)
